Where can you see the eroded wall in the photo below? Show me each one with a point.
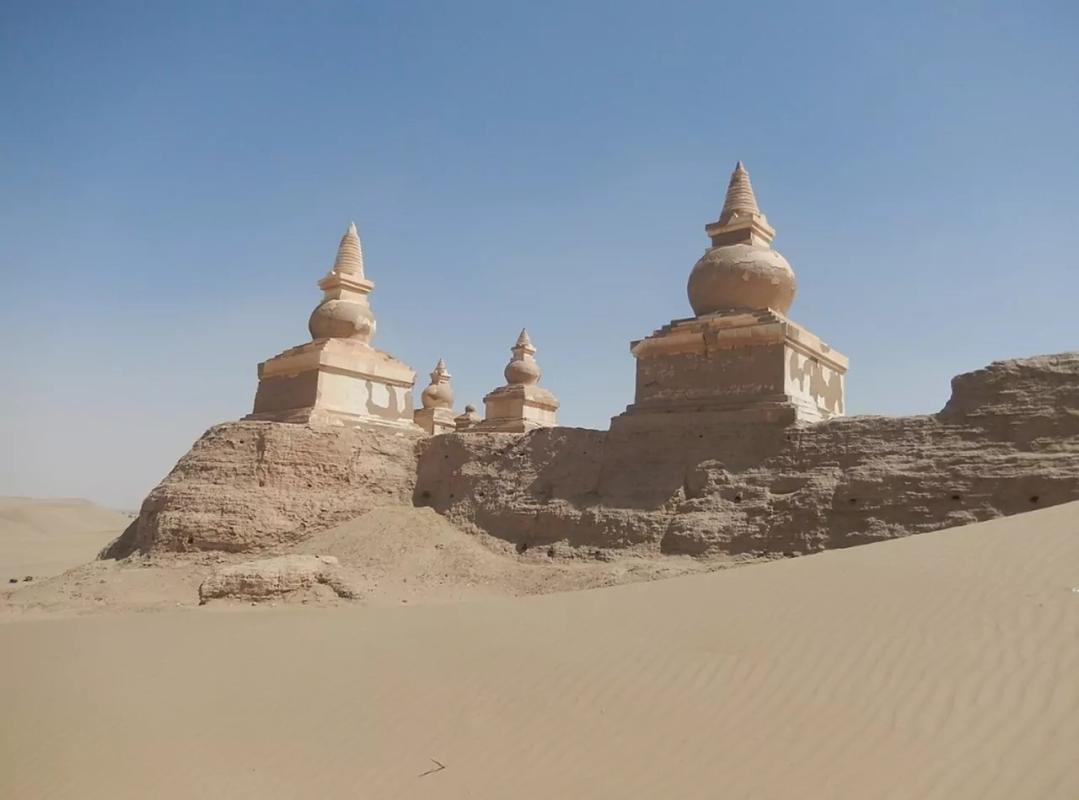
(1008, 441)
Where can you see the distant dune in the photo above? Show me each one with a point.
(45, 537)
(944, 665)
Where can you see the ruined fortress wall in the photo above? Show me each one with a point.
(1008, 441)
(250, 486)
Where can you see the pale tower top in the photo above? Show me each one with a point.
(522, 369)
(741, 271)
(439, 393)
(344, 312)
(349, 259)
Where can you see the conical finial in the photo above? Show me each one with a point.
(349, 259)
(438, 394)
(523, 342)
(522, 368)
(740, 199)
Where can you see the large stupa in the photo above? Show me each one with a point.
(338, 378)
(740, 359)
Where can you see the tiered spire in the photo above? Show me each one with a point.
(741, 220)
(349, 259)
(740, 198)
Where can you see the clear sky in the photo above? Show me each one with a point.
(175, 176)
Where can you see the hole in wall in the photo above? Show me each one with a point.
(738, 498)
(1034, 498)
(957, 497)
(522, 547)
(550, 552)
(853, 500)
(190, 539)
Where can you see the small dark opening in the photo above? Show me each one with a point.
(957, 497)
(550, 552)
(700, 435)
(853, 500)
(738, 498)
(425, 494)
(451, 495)
(190, 539)
(522, 547)
(1034, 498)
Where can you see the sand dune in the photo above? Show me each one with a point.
(46, 537)
(940, 666)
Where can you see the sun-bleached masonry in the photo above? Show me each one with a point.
(735, 443)
(338, 378)
(520, 405)
(739, 360)
(436, 416)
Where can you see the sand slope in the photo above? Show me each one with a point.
(46, 537)
(392, 555)
(940, 666)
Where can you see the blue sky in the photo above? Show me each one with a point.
(175, 177)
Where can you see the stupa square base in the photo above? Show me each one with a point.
(739, 366)
(436, 420)
(335, 381)
(517, 409)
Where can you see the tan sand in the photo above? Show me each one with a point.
(45, 537)
(944, 665)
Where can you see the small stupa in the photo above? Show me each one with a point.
(739, 359)
(338, 377)
(520, 405)
(436, 416)
(468, 419)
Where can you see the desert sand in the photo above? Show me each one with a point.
(40, 538)
(944, 665)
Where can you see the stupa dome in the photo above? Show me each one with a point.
(342, 319)
(741, 276)
(740, 269)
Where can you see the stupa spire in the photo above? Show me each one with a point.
(741, 220)
(523, 342)
(349, 259)
(740, 199)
